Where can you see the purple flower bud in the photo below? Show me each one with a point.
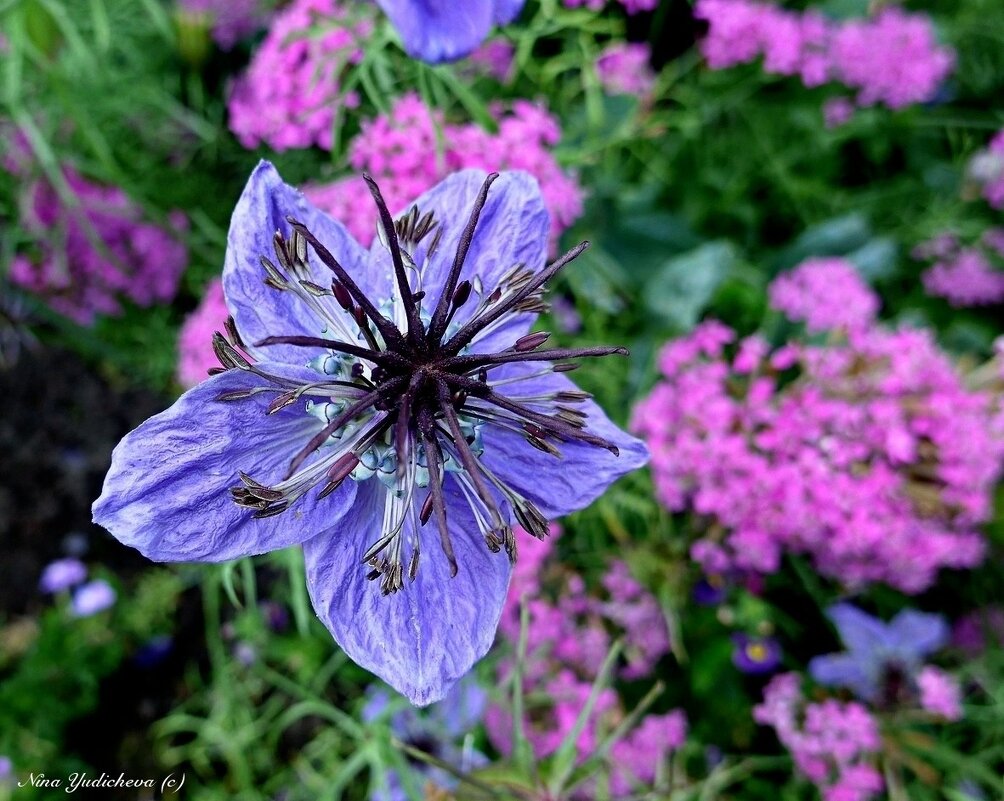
(245, 653)
(61, 575)
(710, 590)
(91, 598)
(276, 616)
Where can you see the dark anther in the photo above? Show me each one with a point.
(232, 334)
(531, 342)
(281, 402)
(426, 512)
(462, 295)
(342, 296)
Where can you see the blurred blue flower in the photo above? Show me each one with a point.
(445, 30)
(710, 590)
(61, 575)
(6, 769)
(91, 598)
(755, 655)
(275, 615)
(881, 659)
(245, 653)
(439, 731)
(155, 651)
(403, 385)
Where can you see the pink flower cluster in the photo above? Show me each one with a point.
(625, 68)
(631, 6)
(939, 693)
(892, 58)
(831, 742)
(230, 20)
(986, 169)
(401, 151)
(567, 641)
(824, 294)
(95, 250)
(195, 340)
(289, 96)
(964, 276)
(875, 460)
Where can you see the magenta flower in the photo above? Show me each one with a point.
(444, 30)
(412, 148)
(95, 248)
(939, 693)
(833, 744)
(378, 392)
(825, 293)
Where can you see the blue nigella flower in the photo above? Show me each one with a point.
(445, 30)
(882, 659)
(363, 395)
(440, 731)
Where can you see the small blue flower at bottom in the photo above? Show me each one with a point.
(366, 394)
(440, 731)
(446, 30)
(882, 660)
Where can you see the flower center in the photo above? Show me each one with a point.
(405, 396)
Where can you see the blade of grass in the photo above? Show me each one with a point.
(564, 758)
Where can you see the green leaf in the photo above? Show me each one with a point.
(598, 277)
(876, 259)
(684, 285)
(836, 237)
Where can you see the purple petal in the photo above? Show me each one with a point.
(863, 635)
(558, 486)
(843, 670)
(507, 10)
(441, 30)
(259, 310)
(423, 639)
(916, 634)
(167, 491)
(512, 230)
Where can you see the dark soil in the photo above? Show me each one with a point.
(58, 426)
